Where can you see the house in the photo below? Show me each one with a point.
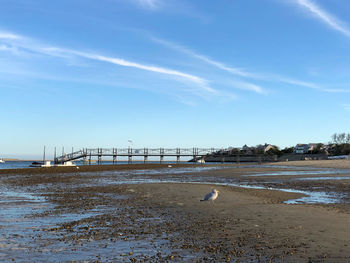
(267, 147)
(247, 149)
(301, 148)
(306, 148)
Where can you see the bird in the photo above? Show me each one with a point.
(211, 196)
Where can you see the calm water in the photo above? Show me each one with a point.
(25, 164)
(15, 164)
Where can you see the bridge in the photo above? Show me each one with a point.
(87, 154)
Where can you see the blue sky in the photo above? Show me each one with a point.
(166, 73)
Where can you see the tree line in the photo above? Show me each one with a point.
(339, 145)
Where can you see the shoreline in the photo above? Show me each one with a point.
(100, 168)
(337, 164)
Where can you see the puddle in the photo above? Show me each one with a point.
(16, 196)
(323, 178)
(284, 173)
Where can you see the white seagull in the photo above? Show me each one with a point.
(211, 196)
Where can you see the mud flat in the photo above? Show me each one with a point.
(126, 216)
(340, 164)
(91, 168)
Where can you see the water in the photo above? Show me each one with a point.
(335, 178)
(26, 164)
(286, 173)
(15, 164)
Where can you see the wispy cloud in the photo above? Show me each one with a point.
(244, 74)
(149, 4)
(250, 87)
(203, 83)
(185, 50)
(324, 16)
(337, 90)
(6, 35)
(125, 63)
(346, 107)
(197, 85)
(219, 65)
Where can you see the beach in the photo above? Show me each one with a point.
(154, 214)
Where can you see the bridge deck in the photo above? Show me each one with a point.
(196, 153)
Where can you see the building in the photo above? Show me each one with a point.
(247, 150)
(267, 147)
(306, 148)
(301, 148)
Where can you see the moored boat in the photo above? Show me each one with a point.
(36, 164)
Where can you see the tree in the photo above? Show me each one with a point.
(288, 150)
(342, 144)
(340, 138)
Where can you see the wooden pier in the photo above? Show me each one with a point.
(88, 154)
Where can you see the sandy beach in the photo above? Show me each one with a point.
(153, 214)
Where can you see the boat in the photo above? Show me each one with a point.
(201, 161)
(36, 164)
(67, 164)
(2, 160)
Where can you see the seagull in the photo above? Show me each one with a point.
(211, 196)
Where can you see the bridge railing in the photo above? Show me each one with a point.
(162, 152)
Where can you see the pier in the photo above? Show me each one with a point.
(130, 153)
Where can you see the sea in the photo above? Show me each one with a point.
(26, 164)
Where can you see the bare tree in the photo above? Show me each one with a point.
(341, 137)
(334, 138)
(348, 138)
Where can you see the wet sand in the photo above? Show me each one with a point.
(158, 222)
(340, 164)
(89, 168)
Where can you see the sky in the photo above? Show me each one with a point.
(172, 73)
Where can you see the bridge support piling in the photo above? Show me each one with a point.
(99, 156)
(161, 154)
(145, 159)
(114, 155)
(194, 158)
(178, 154)
(130, 159)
